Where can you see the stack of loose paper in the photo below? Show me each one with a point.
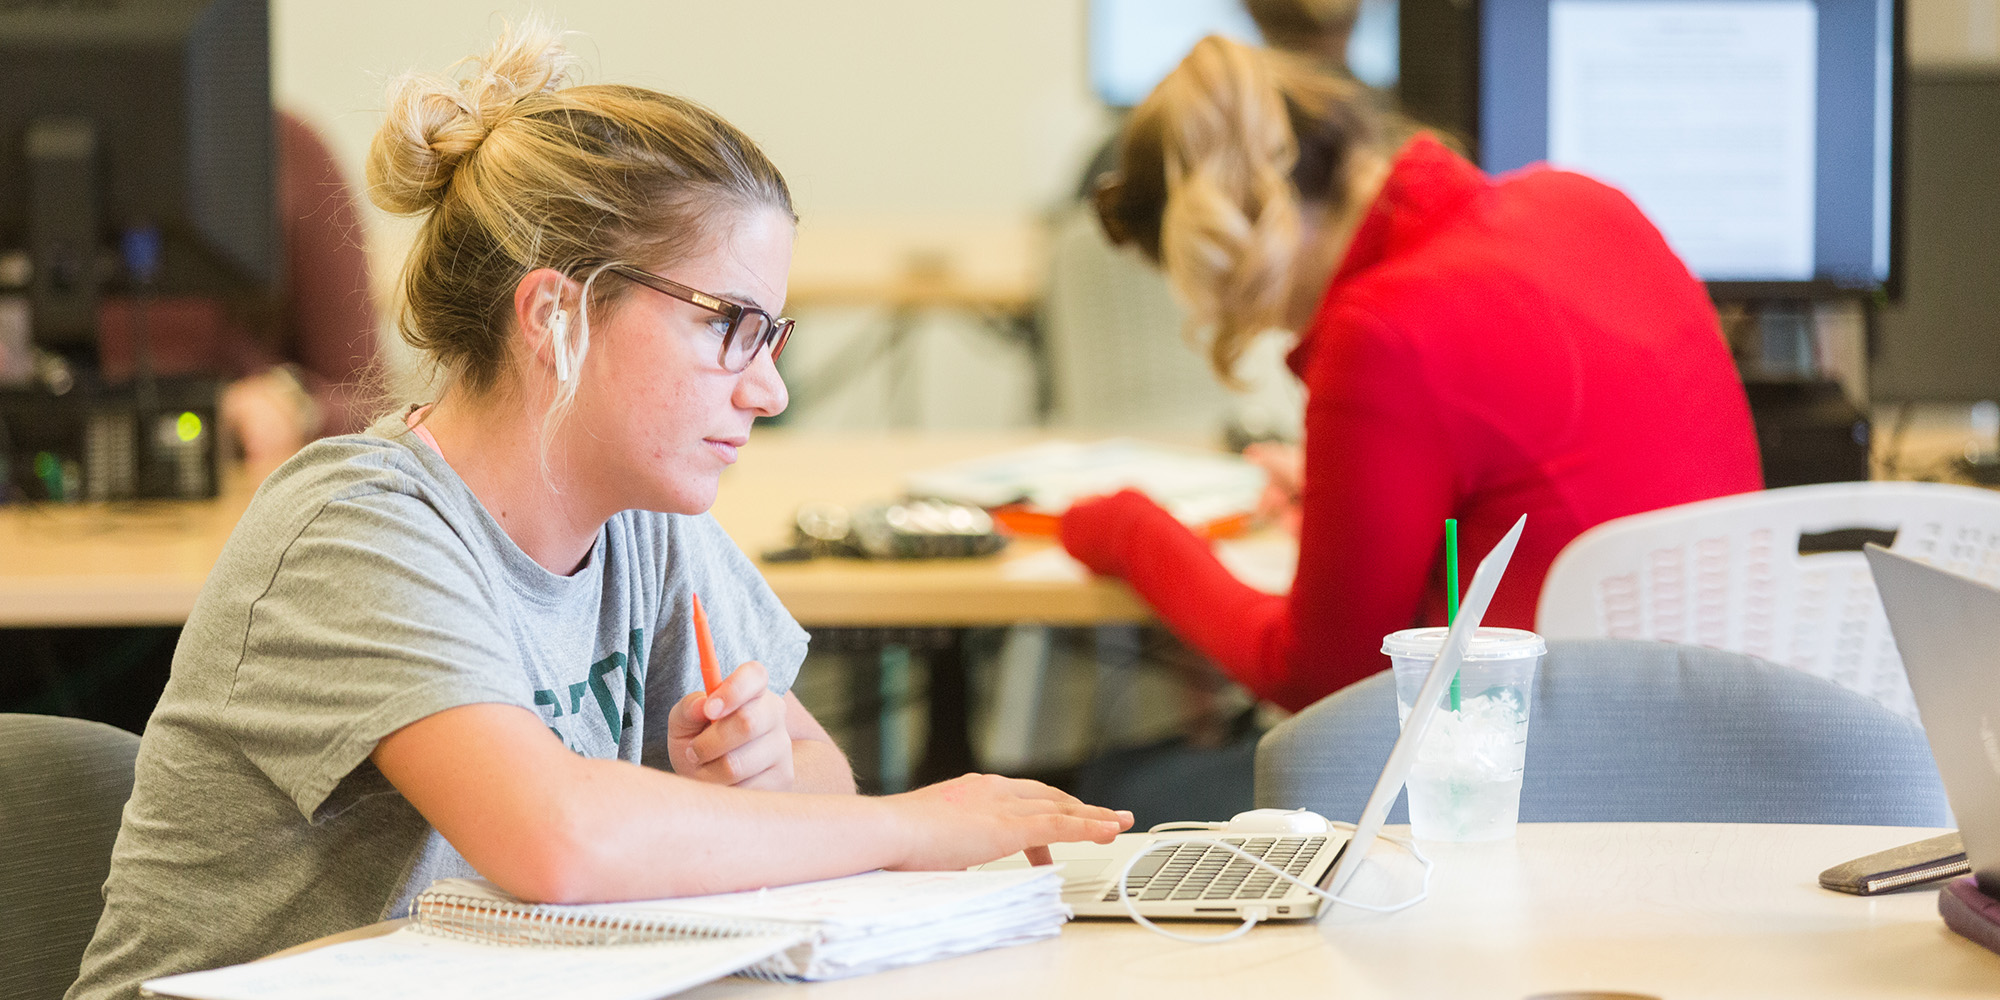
(845, 926)
(1197, 487)
(468, 939)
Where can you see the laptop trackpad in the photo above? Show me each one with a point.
(1083, 869)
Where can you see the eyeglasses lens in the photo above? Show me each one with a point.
(744, 341)
(784, 336)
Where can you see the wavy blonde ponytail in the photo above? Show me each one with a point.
(1231, 224)
(1216, 169)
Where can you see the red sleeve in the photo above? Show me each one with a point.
(329, 315)
(1379, 483)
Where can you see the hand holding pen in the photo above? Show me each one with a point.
(734, 731)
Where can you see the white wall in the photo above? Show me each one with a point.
(1953, 32)
(936, 129)
(903, 126)
(908, 130)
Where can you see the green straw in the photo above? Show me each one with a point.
(1451, 589)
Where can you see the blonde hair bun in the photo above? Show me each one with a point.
(435, 121)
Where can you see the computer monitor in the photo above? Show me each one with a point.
(117, 116)
(1941, 341)
(1759, 135)
(1135, 43)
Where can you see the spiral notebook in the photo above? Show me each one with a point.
(844, 926)
(469, 939)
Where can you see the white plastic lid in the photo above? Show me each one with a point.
(1486, 644)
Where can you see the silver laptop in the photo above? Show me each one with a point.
(1202, 881)
(1948, 629)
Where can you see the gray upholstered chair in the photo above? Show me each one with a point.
(63, 784)
(1630, 730)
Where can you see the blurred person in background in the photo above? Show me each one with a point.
(307, 378)
(1103, 302)
(1471, 347)
(315, 383)
(1315, 29)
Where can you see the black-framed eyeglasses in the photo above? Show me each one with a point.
(750, 329)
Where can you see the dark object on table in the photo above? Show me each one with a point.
(1808, 432)
(116, 116)
(1984, 471)
(908, 529)
(99, 442)
(1970, 912)
(1921, 863)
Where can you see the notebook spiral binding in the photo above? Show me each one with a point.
(486, 921)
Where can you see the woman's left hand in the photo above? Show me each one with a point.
(1284, 466)
(1095, 530)
(736, 736)
(270, 415)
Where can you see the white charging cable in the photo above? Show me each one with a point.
(1253, 915)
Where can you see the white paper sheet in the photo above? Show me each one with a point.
(1704, 112)
(857, 924)
(1195, 486)
(408, 963)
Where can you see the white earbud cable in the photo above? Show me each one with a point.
(1256, 914)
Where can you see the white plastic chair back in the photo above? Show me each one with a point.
(1750, 574)
(1113, 334)
(1120, 357)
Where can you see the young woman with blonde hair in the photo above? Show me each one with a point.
(460, 641)
(1471, 347)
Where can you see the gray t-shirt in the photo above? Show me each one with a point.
(366, 588)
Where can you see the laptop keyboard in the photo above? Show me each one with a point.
(1205, 871)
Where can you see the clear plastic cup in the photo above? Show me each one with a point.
(1466, 782)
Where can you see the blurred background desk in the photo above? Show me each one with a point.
(144, 563)
(136, 563)
(780, 469)
(890, 294)
(894, 617)
(92, 597)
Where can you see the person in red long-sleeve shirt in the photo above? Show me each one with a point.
(1471, 347)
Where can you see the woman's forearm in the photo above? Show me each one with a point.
(819, 766)
(705, 838)
(549, 825)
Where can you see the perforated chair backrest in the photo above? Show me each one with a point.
(1728, 573)
(1631, 731)
(63, 785)
(1113, 334)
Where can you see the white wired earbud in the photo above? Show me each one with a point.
(558, 334)
(1254, 915)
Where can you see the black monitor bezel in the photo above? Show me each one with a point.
(182, 35)
(1818, 289)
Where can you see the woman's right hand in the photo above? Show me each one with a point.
(976, 818)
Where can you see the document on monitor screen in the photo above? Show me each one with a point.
(1704, 113)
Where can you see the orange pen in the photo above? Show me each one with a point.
(711, 671)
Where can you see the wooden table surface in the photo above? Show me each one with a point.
(779, 470)
(143, 563)
(1674, 911)
(1668, 910)
(138, 563)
